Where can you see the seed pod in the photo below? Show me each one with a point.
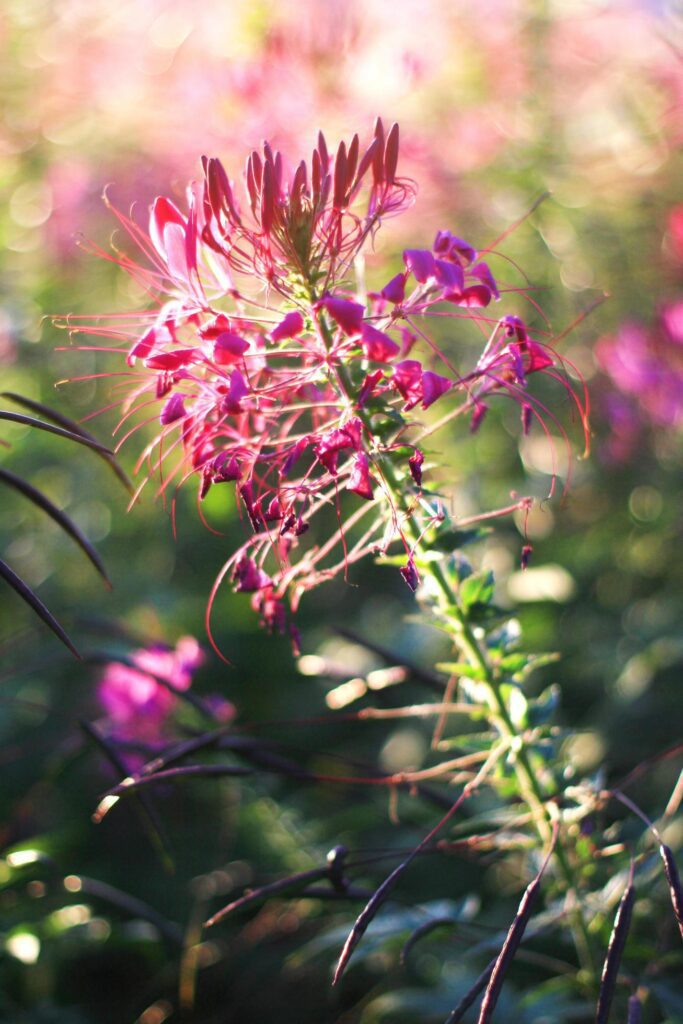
(469, 997)
(673, 878)
(506, 955)
(617, 942)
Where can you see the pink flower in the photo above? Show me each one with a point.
(263, 356)
(136, 704)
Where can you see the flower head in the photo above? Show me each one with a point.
(273, 376)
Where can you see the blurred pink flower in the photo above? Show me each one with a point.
(137, 705)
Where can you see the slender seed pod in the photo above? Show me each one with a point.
(480, 984)
(506, 955)
(424, 929)
(513, 939)
(269, 156)
(674, 880)
(277, 164)
(615, 949)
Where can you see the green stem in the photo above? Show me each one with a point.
(465, 638)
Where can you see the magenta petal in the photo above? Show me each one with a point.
(482, 272)
(420, 263)
(538, 357)
(143, 346)
(453, 248)
(229, 348)
(450, 275)
(173, 410)
(475, 297)
(164, 212)
(433, 387)
(360, 481)
(172, 360)
(348, 314)
(395, 290)
(289, 327)
(224, 468)
(367, 387)
(237, 391)
(378, 346)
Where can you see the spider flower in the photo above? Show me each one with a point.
(136, 704)
(267, 372)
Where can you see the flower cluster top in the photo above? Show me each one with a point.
(275, 377)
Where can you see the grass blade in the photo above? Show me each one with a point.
(36, 605)
(73, 428)
(67, 524)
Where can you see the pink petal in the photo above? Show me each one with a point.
(360, 481)
(238, 390)
(348, 314)
(482, 272)
(289, 327)
(229, 348)
(172, 360)
(394, 291)
(421, 264)
(433, 387)
(164, 212)
(173, 410)
(378, 346)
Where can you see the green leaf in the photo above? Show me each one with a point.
(476, 589)
(542, 709)
(452, 539)
(459, 668)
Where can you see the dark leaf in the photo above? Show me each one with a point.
(67, 524)
(72, 427)
(34, 602)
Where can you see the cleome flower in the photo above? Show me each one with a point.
(266, 372)
(136, 704)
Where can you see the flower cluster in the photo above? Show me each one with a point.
(645, 364)
(271, 375)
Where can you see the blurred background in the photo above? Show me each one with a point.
(498, 103)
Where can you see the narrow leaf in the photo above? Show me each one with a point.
(31, 421)
(73, 428)
(34, 602)
(67, 524)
